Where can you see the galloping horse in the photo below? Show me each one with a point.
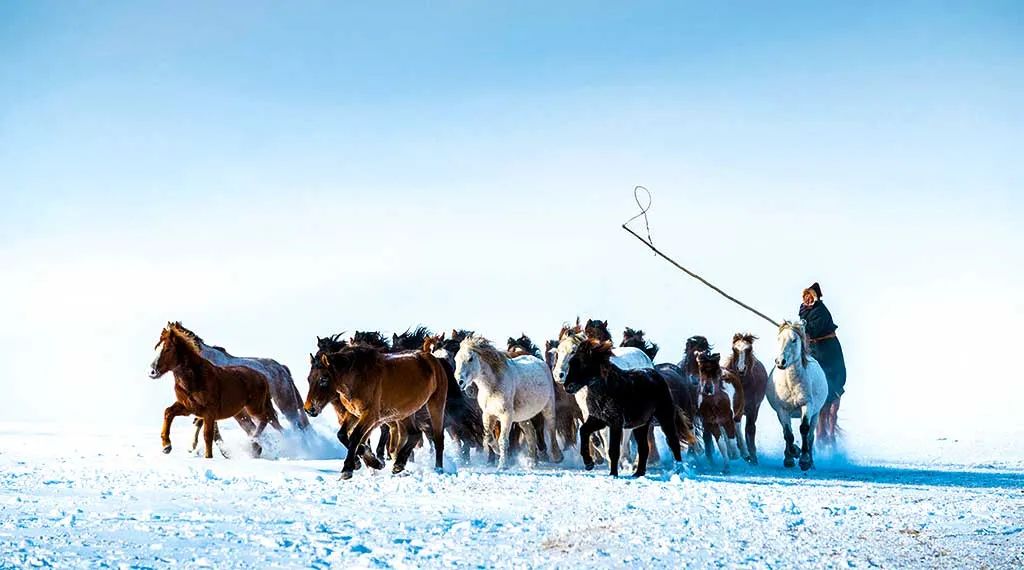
(720, 405)
(567, 411)
(279, 378)
(694, 345)
(618, 400)
(510, 390)
(798, 388)
(208, 391)
(377, 388)
(625, 358)
(635, 338)
(754, 379)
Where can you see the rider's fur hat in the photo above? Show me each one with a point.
(815, 288)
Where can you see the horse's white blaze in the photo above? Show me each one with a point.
(741, 347)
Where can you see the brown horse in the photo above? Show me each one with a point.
(720, 406)
(378, 388)
(210, 392)
(754, 379)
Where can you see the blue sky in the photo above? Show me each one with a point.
(267, 173)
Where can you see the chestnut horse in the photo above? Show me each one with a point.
(210, 392)
(754, 379)
(378, 388)
(720, 405)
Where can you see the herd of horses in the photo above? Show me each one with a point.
(581, 392)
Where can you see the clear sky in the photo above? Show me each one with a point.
(267, 172)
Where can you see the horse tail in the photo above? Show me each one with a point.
(296, 413)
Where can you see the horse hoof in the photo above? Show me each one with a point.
(588, 466)
(439, 470)
(397, 469)
(373, 462)
(167, 448)
(726, 471)
(346, 475)
(788, 462)
(805, 465)
(256, 449)
(637, 474)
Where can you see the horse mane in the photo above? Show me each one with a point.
(187, 338)
(496, 359)
(805, 345)
(746, 337)
(332, 343)
(411, 338)
(594, 348)
(524, 344)
(635, 339)
(372, 339)
(359, 359)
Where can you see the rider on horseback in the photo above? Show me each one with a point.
(825, 348)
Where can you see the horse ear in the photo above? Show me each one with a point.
(325, 361)
(441, 338)
(312, 359)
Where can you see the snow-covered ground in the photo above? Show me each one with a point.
(110, 498)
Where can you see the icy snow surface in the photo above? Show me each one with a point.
(110, 498)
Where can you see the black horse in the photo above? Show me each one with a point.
(635, 339)
(411, 339)
(621, 399)
(695, 344)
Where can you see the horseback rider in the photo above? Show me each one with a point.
(825, 348)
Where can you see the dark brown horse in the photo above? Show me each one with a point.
(346, 420)
(210, 392)
(720, 405)
(378, 388)
(597, 330)
(754, 379)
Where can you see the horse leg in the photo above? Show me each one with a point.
(643, 449)
(586, 431)
(538, 422)
(708, 435)
(436, 405)
(357, 436)
(405, 436)
(174, 410)
(209, 427)
(750, 430)
(551, 422)
(505, 425)
(731, 433)
(790, 450)
(807, 425)
(532, 450)
(382, 443)
(198, 422)
(666, 416)
(723, 447)
(614, 448)
(652, 445)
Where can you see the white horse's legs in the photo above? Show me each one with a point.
(791, 451)
(554, 451)
(505, 423)
(741, 440)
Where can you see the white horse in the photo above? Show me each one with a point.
(509, 390)
(623, 357)
(797, 390)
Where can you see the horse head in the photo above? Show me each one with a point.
(710, 367)
(475, 354)
(793, 346)
(597, 329)
(635, 339)
(590, 362)
(743, 352)
(568, 343)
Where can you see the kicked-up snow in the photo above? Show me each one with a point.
(111, 499)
